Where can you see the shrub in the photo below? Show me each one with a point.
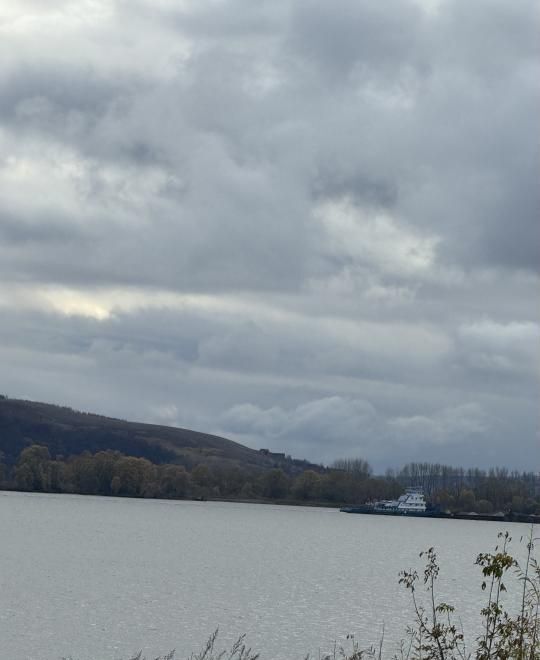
(435, 635)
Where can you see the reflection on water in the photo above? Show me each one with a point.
(100, 578)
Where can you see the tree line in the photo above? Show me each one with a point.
(347, 481)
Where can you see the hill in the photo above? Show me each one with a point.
(68, 432)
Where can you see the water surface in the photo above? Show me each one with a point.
(101, 578)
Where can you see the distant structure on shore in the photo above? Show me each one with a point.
(273, 454)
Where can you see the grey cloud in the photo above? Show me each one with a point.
(235, 378)
(18, 230)
(359, 429)
(68, 102)
(239, 18)
(367, 38)
(200, 151)
(509, 26)
(325, 423)
(217, 124)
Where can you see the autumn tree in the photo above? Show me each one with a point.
(357, 467)
(84, 473)
(307, 486)
(274, 484)
(33, 469)
(134, 474)
(174, 481)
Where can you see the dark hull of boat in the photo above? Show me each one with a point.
(509, 517)
(393, 512)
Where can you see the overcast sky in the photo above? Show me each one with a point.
(308, 226)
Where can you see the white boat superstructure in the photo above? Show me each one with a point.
(411, 501)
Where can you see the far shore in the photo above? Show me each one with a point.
(500, 518)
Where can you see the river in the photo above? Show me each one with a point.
(102, 578)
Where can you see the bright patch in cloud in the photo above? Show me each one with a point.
(375, 239)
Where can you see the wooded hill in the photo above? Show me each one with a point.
(48, 448)
(67, 432)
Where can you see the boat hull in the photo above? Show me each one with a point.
(393, 512)
(508, 517)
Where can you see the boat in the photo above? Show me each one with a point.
(411, 503)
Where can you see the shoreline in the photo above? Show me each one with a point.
(505, 518)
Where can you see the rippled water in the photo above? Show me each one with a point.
(100, 578)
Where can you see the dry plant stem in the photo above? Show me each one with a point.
(434, 613)
(525, 579)
(381, 644)
(498, 597)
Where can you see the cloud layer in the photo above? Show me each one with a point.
(307, 226)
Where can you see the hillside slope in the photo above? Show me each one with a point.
(67, 432)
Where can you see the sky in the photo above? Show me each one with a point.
(306, 226)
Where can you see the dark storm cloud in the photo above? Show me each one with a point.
(310, 226)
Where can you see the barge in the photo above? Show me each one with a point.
(413, 505)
